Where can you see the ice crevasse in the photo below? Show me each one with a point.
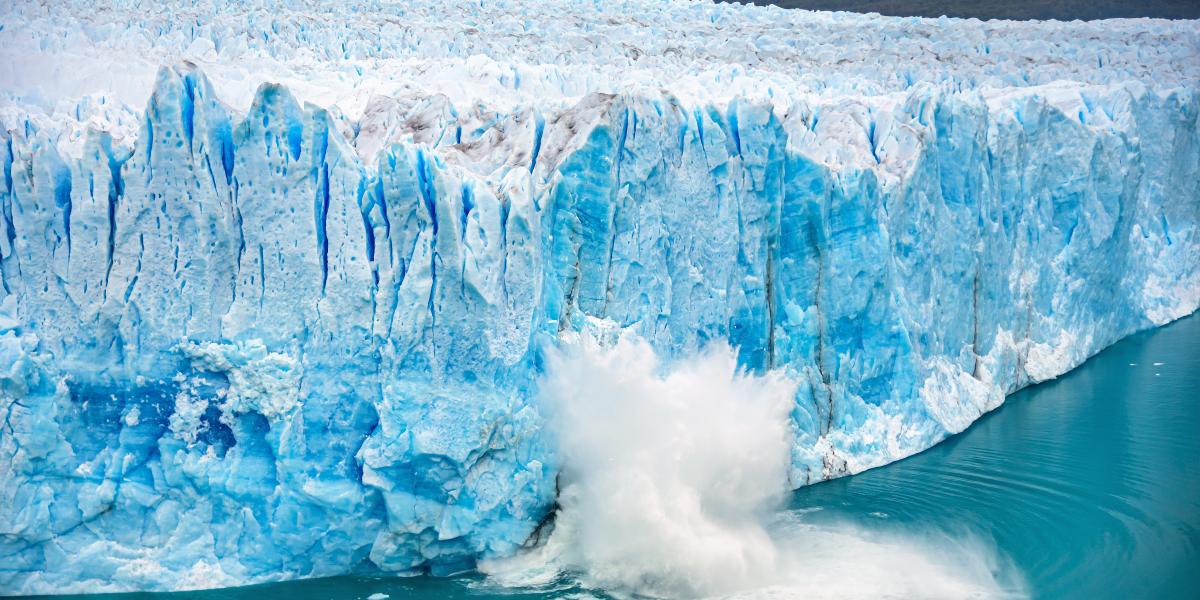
(254, 330)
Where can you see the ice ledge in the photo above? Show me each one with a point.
(67, 59)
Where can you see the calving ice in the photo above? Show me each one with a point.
(282, 299)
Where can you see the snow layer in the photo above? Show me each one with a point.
(261, 330)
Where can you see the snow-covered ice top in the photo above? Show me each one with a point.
(80, 61)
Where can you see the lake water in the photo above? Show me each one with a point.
(1089, 483)
(1084, 487)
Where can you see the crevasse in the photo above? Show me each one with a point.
(279, 344)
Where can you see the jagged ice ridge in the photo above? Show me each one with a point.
(287, 320)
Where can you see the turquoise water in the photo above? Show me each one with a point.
(1085, 487)
(1089, 483)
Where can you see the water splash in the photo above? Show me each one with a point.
(673, 477)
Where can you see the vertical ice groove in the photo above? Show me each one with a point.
(187, 111)
(468, 202)
(366, 205)
(778, 165)
(505, 207)
(61, 175)
(138, 270)
(262, 278)
(116, 188)
(321, 203)
(425, 177)
(9, 267)
(615, 204)
(241, 246)
(539, 128)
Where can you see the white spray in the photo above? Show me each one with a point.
(670, 477)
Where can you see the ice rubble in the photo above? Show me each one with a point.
(286, 321)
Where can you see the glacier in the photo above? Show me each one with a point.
(286, 317)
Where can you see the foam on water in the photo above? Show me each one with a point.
(673, 478)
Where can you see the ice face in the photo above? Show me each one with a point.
(269, 340)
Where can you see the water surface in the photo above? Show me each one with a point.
(1090, 483)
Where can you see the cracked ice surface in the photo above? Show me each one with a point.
(276, 310)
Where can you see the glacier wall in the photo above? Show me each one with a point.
(240, 346)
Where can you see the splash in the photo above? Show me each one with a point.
(672, 484)
(845, 561)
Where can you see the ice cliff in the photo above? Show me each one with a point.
(287, 320)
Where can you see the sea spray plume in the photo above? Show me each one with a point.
(669, 470)
(672, 478)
